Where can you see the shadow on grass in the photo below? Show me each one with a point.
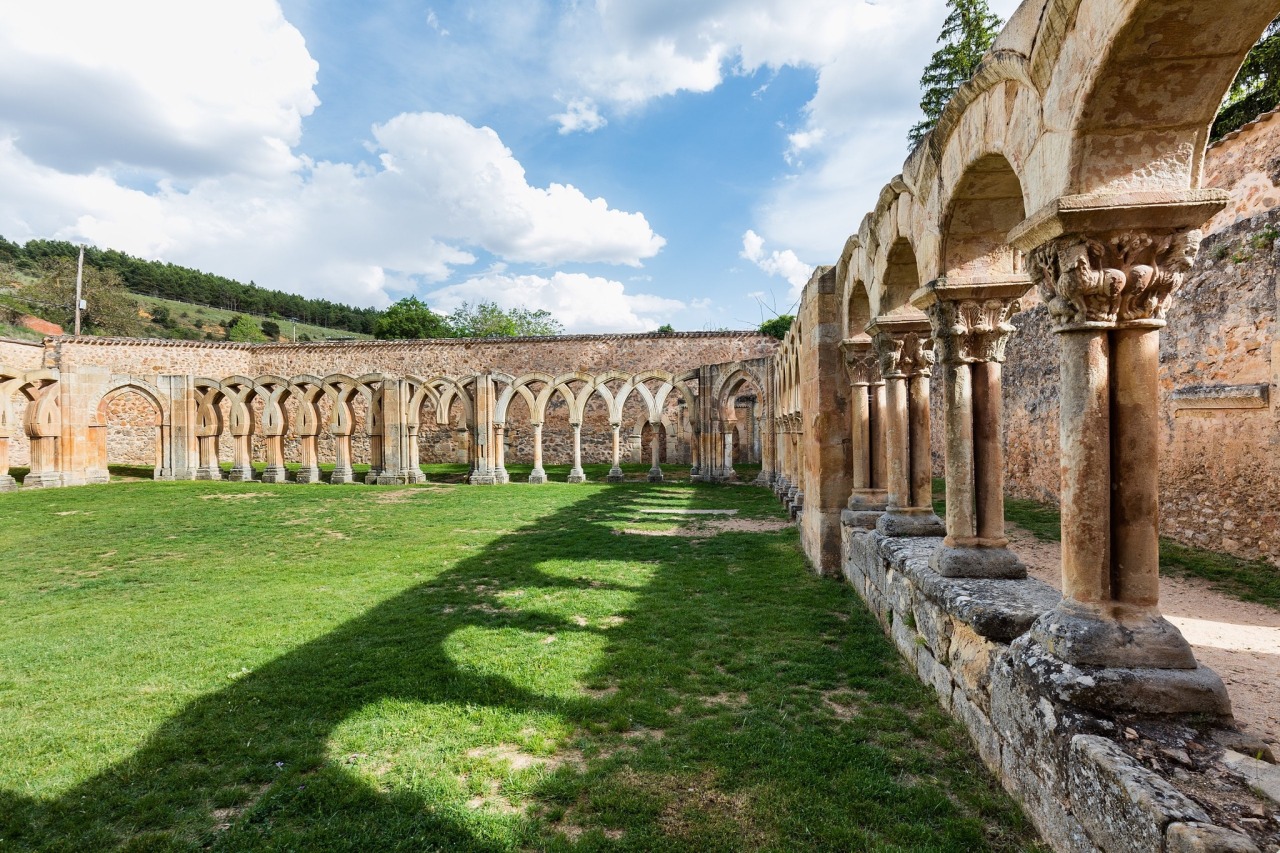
(739, 704)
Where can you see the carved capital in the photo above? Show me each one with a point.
(971, 330)
(861, 361)
(1124, 278)
(889, 353)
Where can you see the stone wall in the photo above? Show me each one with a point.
(1086, 780)
(1247, 164)
(23, 355)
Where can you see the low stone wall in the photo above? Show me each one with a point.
(1078, 774)
(21, 355)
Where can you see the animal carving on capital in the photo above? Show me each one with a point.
(1123, 278)
(972, 329)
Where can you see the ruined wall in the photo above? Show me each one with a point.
(214, 360)
(824, 400)
(24, 355)
(1220, 466)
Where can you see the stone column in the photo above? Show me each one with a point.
(575, 473)
(655, 470)
(241, 456)
(309, 459)
(537, 475)
(729, 473)
(7, 482)
(615, 473)
(905, 349)
(342, 473)
(500, 474)
(1107, 284)
(868, 497)
(971, 328)
(275, 471)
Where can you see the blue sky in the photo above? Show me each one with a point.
(621, 164)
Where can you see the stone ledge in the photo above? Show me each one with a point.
(999, 610)
(1139, 804)
(1222, 397)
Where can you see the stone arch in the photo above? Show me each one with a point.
(984, 206)
(900, 279)
(99, 425)
(1143, 105)
(857, 309)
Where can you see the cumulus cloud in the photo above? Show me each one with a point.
(784, 264)
(184, 89)
(192, 158)
(583, 303)
(580, 114)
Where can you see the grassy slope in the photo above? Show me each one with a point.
(250, 667)
(207, 319)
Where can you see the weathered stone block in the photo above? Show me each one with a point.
(984, 735)
(971, 659)
(904, 637)
(1124, 807)
(934, 674)
(1205, 838)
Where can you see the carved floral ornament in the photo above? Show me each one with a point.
(972, 330)
(909, 354)
(1119, 279)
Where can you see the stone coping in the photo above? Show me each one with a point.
(94, 340)
(1255, 396)
(999, 610)
(22, 341)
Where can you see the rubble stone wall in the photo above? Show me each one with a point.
(20, 354)
(1071, 770)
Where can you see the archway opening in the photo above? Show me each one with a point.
(986, 205)
(132, 442)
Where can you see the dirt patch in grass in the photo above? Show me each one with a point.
(695, 806)
(844, 704)
(239, 496)
(726, 700)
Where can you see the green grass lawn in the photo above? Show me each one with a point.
(230, 666)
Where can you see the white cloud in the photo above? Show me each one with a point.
(580, 114)
(187, 89)
(784, 264)
(583, 303)
(192, 160)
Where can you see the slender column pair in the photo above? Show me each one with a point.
(655, 470)
(615, 473)
(500, 474)
(576, 474)
(867, 431)
(7, 482)
(1108, 294)
(905, 348)
(971, 329)
(537, 475)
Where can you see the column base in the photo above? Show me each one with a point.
(1120, 689)
(275, 475)
(100, 477)
(869, 500)
(795, 505)
(240, 475)
(175, 474)
(46, 480)
(483, 478)
(501, 476)
(341, 477)
(208, 473)
(7, 483)
(395, 478)
(910, 522)
(952, 561)
(308, 475)
(780, 486)
(764, 478)
(615, 475)
(1115, 635)
(655, 475)
(577, 476)
(371, 479)
(537, 476)
(860, 519)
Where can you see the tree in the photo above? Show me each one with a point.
(1257, 86)
(244, 330)
(271, 329)
(666, 329)
(967, 34)
(487, 320)
(778, 326)
(109, 307)
(410, 319)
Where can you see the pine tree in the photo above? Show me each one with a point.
(1256, 88)
(967, 34)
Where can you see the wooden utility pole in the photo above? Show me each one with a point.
(79, 283)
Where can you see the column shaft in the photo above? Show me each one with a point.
(1085, 440)
(1135, 443)
(988, 449)
(958, 414)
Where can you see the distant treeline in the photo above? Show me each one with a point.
(170, 281)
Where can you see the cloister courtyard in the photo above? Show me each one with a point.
(243, 666)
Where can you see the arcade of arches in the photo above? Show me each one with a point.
(1063, 192)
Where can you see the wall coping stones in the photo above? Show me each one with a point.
(94, 340)
(1000, 610)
